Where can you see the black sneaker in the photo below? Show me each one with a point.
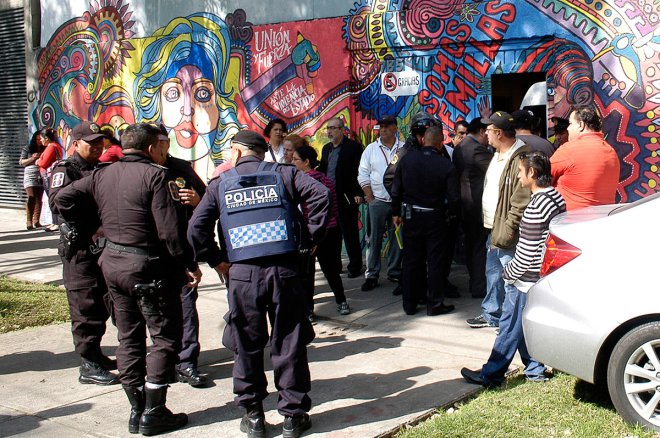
(254, 424)
(478, 322)
(343, 308)
(294, 426)
(369, 284)
(93, 373)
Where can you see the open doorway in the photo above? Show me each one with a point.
(509, 90)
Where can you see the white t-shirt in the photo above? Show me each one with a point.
(492, 183)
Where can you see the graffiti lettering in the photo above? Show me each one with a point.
(271, 46)
(294, 99)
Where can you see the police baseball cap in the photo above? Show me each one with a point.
(87, 131)
(422, 120)
(251, 140)
(500, 119)
(387, 120)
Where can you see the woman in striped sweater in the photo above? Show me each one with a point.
(522, 272)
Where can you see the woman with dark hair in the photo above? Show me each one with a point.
(328, 251)
(32, 182)
(522, 272)
(275, 131)
(50, 155)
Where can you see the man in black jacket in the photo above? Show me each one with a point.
(340, 160)
(471, 160)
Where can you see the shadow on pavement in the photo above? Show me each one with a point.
(20, 424)
(38, 360)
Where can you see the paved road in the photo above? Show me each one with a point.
(372, 370)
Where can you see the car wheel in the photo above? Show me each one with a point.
(633, 376)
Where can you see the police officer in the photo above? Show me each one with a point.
(419, 123)
(190, 190)
(256, 203)
(85, 287)
(145, 246)
(425, 195)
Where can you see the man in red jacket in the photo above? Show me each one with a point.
(585, 170)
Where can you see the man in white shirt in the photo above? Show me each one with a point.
(503, 202)
(375, 159)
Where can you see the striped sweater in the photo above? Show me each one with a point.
(523, 270)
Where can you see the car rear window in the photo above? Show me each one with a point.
(625, 207)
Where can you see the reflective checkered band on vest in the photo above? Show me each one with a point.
(254, 234)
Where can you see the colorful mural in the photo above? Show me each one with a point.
(205, 77)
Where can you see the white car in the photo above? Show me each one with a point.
(595, 313)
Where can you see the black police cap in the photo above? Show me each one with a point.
(251, 140)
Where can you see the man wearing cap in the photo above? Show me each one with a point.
(340, 160)
(524, 122)
(145, 249)
(375, 159)
(190, 188)
(89, 301)
(561, 131)
(259, 232)
(503, 203)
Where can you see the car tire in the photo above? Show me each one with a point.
(633, 380)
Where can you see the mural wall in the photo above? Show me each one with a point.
(205, 77)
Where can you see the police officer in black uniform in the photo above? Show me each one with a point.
(89, 301)
(419, 123)
(259, 232)
(190, 189)
(425, 195)
(145, 248)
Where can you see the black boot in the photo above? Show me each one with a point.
(92, 372)
(156, 418)
(254, 421)
(136, 398)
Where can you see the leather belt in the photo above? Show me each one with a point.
(129, 249)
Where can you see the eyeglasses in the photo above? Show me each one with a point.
(333, 127)
(492, 129)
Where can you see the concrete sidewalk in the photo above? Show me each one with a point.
(372, 370)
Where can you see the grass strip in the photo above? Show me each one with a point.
(562, 407)
(24, 304)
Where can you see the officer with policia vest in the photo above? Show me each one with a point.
(260, 231)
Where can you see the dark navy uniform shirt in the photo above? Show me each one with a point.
(135, 206)
(424, 178)
(300, 187)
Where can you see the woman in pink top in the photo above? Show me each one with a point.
(50, 155)
(328, 251)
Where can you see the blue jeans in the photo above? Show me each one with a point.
(510, 339)
(380, 220)
(491, 306)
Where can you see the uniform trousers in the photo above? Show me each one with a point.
(89, 302)
(268, 287)
(161, 315)
(475, 255)
(328, 253)
(348, 221)
(424, 254)
(190, 340)
(380, 221)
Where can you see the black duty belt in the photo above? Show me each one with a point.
(129, 249)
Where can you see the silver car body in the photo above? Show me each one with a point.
(572, 311)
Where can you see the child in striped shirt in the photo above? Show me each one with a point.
(522, 271)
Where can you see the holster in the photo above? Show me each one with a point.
(68, 241)
(150, 296)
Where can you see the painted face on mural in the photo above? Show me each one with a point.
(188, 105)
